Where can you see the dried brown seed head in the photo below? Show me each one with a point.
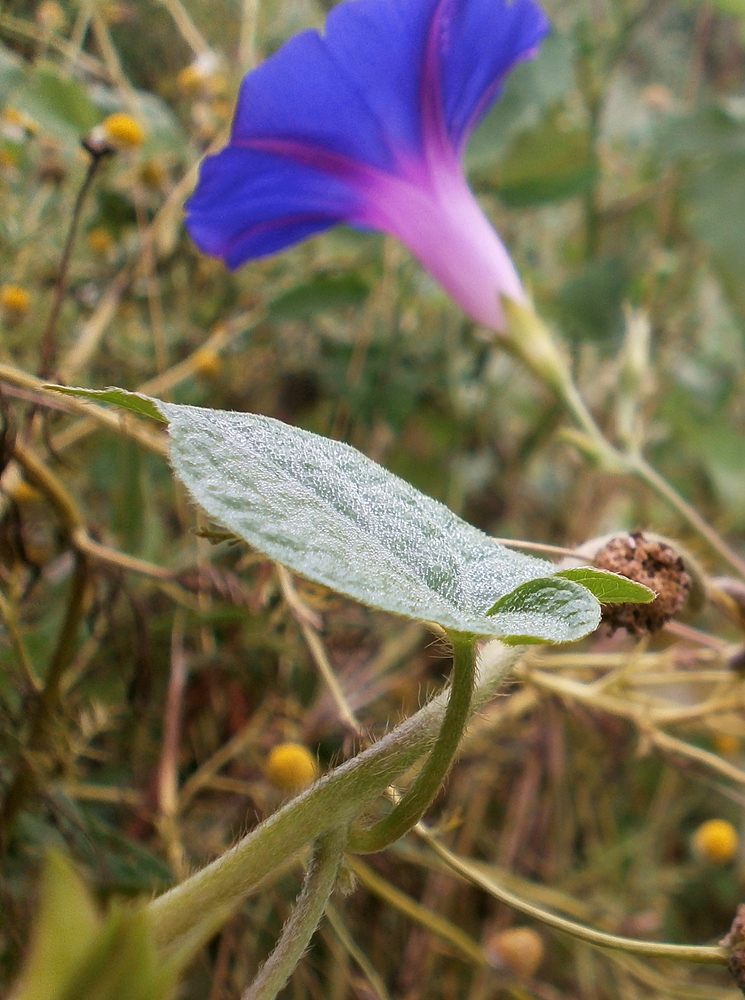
(654, 563)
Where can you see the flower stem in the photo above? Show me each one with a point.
(319, 883)
(49, 337)
(704, 954)
(408, 811)
(189, 912)
(648, 475)
(528, 339)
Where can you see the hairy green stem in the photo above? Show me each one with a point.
(319, 883)
(409, 810)
(209, 895)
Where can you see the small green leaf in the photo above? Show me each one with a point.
(12, 72)
(561, 602)
(64, 933)
(134, 401)
(57, 103)
(77, 955)
(609, 588)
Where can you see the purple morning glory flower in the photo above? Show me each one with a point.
(366, 124)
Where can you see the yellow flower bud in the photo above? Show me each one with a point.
(123, 130)
(291, 767)
(17, 124)
(726, 745)
(518, 950)
(100, 240)
(14, 300)
(153, 174)
(189, 79)
(223, 108)
(207, 362)
(715, 840)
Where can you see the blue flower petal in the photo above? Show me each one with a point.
(480, 41)
(359, 89)
(349, 91)
(250, 203)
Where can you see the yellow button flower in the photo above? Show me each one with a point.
(14, 300)
(715, 840)
(123, 130)
(207, 363)
(17, 125)
(291, 767)
(100, 240)
(726, 745)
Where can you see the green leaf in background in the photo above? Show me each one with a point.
(721, 451)
(66, 927)
(530, 89)
(124, 963)
(12, 72)
(590, 304)
(550, 162)
(116, 210)
(323, 291)
(709, 145)
(716, 211)
(331, 514)
(736, 7)
(77, 953)
(704, 134)
(58, 104)
(609, 588)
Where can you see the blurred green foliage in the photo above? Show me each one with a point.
(614, 169)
